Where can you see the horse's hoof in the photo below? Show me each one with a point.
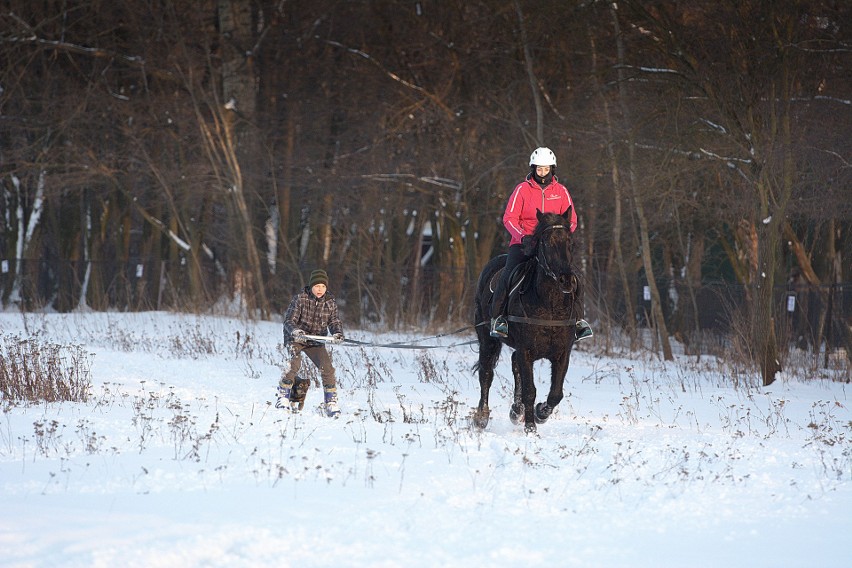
(516, 413)
(480, 418)
(530, 428)
(542, 412)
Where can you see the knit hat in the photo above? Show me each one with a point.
(318, 277)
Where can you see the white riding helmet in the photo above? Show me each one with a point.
(543, 157)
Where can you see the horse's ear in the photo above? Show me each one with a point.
(567, 214)
(538, 214)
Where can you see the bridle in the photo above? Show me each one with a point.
(542, 259)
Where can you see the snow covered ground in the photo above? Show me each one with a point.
(178, 458)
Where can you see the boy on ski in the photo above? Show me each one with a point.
(313, 311)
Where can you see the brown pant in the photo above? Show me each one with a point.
(319, 357)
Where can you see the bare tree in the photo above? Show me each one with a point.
(252, 140)
(633, 182)
(751, 110)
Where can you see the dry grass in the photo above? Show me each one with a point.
(32, 370)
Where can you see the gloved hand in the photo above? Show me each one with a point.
(337, 338)
(299, 336)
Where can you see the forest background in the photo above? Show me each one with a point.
(160, 154)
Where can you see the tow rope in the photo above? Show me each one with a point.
(400, 344)
(412, 344)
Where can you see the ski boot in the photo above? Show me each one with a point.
(332, 409)
(283, 400)
(298, 393)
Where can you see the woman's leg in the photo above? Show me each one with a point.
(582, 330)
(499, 300)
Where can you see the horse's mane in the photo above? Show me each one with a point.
(548, 221)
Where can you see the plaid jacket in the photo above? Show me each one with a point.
(314, 316)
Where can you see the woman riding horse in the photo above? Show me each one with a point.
(543, 320)
(540, 191)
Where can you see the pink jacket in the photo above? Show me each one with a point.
(519, 218)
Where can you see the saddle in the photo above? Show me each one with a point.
(518, 281)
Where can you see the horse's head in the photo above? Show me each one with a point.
(552, 244)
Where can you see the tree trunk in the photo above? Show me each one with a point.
(528, 65)
(695, 259)
(762, 320)
(814, 284)
(327, 216)
(615, 173)
(457, 311)
(825, 320)
(26, 233)
(657, 318)
(773, 209)
(415, 300)
(86, 241)
(95, 295)
(239, 147)
(285, 191)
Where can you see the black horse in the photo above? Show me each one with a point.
(542, 320)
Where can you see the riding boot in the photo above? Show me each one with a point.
(499, 325)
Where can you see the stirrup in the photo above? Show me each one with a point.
(499, 327)
(582, 330)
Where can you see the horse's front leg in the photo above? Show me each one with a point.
(558, 370)
(523, 371)
(516, 412)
